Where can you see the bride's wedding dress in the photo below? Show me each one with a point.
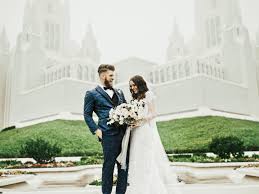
(149, 167)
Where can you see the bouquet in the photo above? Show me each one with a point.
(128, 113)
(131, 114)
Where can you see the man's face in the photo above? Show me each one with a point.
(108, 78)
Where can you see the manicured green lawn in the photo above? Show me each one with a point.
(181, 135)
(73, 137)
(194, 134)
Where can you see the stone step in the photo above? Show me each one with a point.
(175, 189)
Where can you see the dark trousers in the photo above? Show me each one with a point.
(111, 144)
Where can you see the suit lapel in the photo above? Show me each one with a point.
(117, 94)
(104, 94)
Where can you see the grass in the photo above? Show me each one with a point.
(73, 137)
(180, 135)
(195, 134)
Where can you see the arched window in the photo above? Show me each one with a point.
(213, 4)
(51, 77)
(211, 70)
(168, 73)
(57, 37)
(180, 70)
(151, 79)
(59, 74)
(68, 71)
(174, 72)
(202, 67)
(162, 75)
(47, 30)
(156, 77)
(50, 8)
(63, 72)
(79, 72)
(218, 72)
(187, 69)
(207, 69)
(86, 78)
(217, 59)
(213, 31)
(52, 36)
(93, 75)
(198, 67)
(116, 78)
(52, 32)
(55, 75)
(223, 74)
(46, 78)
(215, 71)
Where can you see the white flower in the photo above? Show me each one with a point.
(127, 113)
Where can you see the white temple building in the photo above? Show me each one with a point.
(46, 75)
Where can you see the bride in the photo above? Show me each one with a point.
(149, 167)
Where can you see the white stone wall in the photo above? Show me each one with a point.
(127, 68)
(218, 77)
(64, 100)
(4, 64)
(201, 91)
(257, 61)
(61, 99)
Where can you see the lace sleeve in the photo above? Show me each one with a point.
(150, 100)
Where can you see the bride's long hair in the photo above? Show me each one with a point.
(141, 85)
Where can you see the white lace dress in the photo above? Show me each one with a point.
(149, 170)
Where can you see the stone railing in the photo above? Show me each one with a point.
(74, 70)
(185, 67)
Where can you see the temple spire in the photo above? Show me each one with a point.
(89, 45)
(233, 13)
(27, 16)
(4, 42)
(176, 43)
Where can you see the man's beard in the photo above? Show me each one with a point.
(107, 83)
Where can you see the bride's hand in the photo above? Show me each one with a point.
(133, 126)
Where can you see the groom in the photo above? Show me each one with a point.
(101, 100)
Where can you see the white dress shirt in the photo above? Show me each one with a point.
(108, 91)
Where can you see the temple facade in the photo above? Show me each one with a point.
(46, 75)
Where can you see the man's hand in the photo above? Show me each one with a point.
(99, 133)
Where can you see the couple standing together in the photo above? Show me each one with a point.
(148, 170)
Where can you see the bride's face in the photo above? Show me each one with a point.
(133, 87)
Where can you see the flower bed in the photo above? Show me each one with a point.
(87, 160)
(206, 159)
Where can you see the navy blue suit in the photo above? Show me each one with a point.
(98, 101)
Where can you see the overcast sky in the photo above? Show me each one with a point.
(126, 28)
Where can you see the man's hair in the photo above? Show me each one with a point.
(105, 67)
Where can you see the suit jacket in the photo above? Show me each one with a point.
(98, 101)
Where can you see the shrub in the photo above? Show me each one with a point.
(86, 160)
(255, 156)
(224, 147)
(8, 128)
(200, 154)
(40, 150)
(4, 164)
(182, 156)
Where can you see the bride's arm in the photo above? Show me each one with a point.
(151, 108)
